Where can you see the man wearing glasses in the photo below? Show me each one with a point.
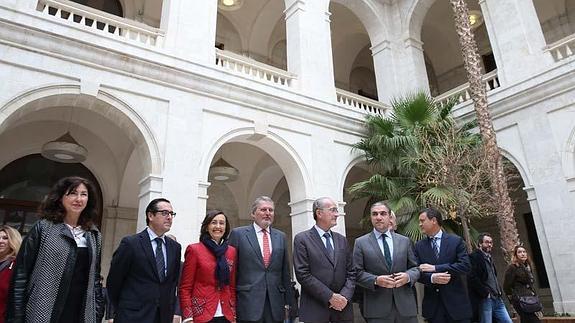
(324, 269)
(145, 270)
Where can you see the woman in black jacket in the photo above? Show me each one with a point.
(57, 273)
(519, 282)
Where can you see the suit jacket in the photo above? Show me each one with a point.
(254, 280)
(370, 263)
(134, 286)
(453, 259)
(320, 276)
(199, 291)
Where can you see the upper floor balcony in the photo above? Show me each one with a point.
(344, 55)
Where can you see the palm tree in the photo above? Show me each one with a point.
(421, 158)
(472, 63)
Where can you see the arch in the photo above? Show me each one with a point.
(369, 14)
(281, 151)
(524, 175)
(112, 108)
(341, 182)
(415, 17)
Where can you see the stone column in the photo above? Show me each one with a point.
(553, 210)
(516, 39)
(309, 53)
(190, 28)
(150, 188)
(301, 215)
(412, 67)
(384, 71)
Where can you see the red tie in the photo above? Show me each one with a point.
(266, 243)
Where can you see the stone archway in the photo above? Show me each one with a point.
(122, 149)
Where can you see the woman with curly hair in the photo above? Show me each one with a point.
(519, 283)
(57, 272)
(10, 241)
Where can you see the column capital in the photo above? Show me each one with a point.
(293, 8)
(301, 206)
(571, 184)
(203, 190)
(379, 47)
(530, 190)
(150, 184)
(414, 43)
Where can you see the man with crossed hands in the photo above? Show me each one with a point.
(386, 268)
(444, 264)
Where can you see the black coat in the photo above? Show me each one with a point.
(476, 281)
(134, 286)
(46, 259)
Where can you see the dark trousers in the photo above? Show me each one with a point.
(219, 319)
(442, 316)
(267, 316)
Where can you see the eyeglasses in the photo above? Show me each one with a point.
(165, 213)
(382, 213)
(331, 209)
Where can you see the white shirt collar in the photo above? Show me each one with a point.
(153, 235)
(378, 234)
(259, 229)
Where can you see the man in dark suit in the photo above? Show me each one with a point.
(263, 282)
(386, 268)
(443, 263)
(485, 292)
(144, 271)
(324, 268)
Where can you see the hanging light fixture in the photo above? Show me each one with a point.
(230, 5)
(222, 171)
(475, 18)
(65, 149)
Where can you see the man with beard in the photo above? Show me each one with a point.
(485, 292)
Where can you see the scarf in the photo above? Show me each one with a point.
(219, 251)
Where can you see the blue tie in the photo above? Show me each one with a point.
(160, 264)
(328, 244)
(435, 246)
(386, 251)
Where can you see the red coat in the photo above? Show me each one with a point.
(198, 293)
(5, 276)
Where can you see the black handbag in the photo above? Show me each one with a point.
(529, 304)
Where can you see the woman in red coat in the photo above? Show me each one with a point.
(10, 241)
(208, 283)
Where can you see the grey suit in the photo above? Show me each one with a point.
(254, 281)
(320, 276)
(386, 304)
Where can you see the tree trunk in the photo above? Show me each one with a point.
(472, 63)
(466, 235)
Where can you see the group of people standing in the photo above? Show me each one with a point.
(243, 275)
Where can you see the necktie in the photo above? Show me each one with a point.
(266, 243)
(160, 263)
(328, 244)
(435, 247)
(386, 251)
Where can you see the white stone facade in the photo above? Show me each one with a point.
(156, 105)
